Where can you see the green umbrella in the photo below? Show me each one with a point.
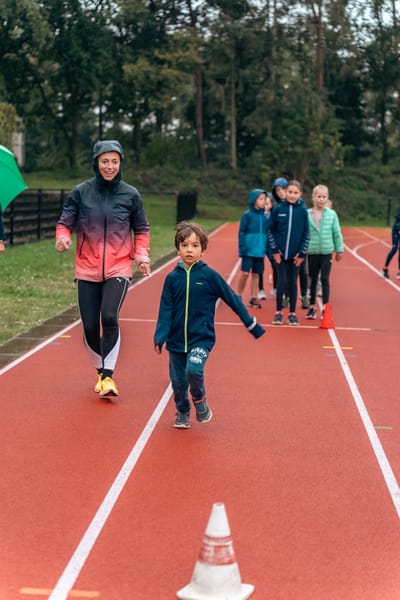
(11, 181)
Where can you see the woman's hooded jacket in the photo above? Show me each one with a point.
(104, 214)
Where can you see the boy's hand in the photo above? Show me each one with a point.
(339, 256)
(158, 347)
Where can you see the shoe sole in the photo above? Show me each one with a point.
(209, 417)
(311, 318)
(276, 322)
(292, 324)
(108, 394)
(182, 425)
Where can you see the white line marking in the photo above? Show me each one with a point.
(79, 557)
(379, 452)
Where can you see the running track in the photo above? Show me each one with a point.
(107, 500)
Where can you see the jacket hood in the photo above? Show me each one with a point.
(279, 181)
(254, 195)
(107, 146)
(101, 147)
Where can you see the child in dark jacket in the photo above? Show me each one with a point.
(395, 247)
(253, 244)
(186, 321)
(288, 236)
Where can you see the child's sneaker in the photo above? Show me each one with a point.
(262, 295)
(203, 411)
(182, 420)
(278, 318)
(311, 313)
(398, 275)
(304, 302)
(253, 303)
(385, 273)
(108, 387)
(292, 319)
(97, 387)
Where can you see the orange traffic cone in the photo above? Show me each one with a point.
(327, 321)
(216, 573)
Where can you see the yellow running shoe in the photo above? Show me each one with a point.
(108, 387)
(97, 387)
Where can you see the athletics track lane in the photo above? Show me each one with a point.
(310, 513)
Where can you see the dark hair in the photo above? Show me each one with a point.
(184, 230)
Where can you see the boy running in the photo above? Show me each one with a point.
(186, 321)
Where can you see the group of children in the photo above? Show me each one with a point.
(300, 244)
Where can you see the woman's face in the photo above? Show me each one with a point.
(109, 164)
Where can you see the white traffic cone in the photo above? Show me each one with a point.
(216, 573)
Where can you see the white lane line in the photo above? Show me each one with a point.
(354, 252)
(79, 557)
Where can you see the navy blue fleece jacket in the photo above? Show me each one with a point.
(187, 308)
(288, 231)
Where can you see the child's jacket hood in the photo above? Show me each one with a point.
(253, 197)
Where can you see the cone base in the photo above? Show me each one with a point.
(189, 592)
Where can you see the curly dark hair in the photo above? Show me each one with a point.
(184, 229)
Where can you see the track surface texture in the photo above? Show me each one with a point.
(107, 500)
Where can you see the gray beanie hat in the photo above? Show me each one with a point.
(107, 146)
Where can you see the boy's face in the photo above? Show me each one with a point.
(190, 250)
(320, 199)
(280, 192)
(292, 193)
(260, 202)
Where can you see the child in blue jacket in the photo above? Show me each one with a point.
(186, 321)
(288, 236)
(253, 244)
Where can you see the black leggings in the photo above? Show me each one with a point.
(99, 306)
(319, 263)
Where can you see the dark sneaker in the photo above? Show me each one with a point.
(304, 302)
(398, 275)
(254, 304)
(292, 319)
(182, 420)
(385, 273)
(312, 313)
(278, 318)
(203, 411)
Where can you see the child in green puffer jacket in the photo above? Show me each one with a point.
(325, 240)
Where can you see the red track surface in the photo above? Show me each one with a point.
(303, 450)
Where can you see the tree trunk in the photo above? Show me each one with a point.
(233, 123)
(199, 118)
(319, 75)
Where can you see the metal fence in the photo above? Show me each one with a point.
(33, 215)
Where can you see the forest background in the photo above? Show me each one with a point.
(219, 96)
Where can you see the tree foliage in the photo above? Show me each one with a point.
(290, 87)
